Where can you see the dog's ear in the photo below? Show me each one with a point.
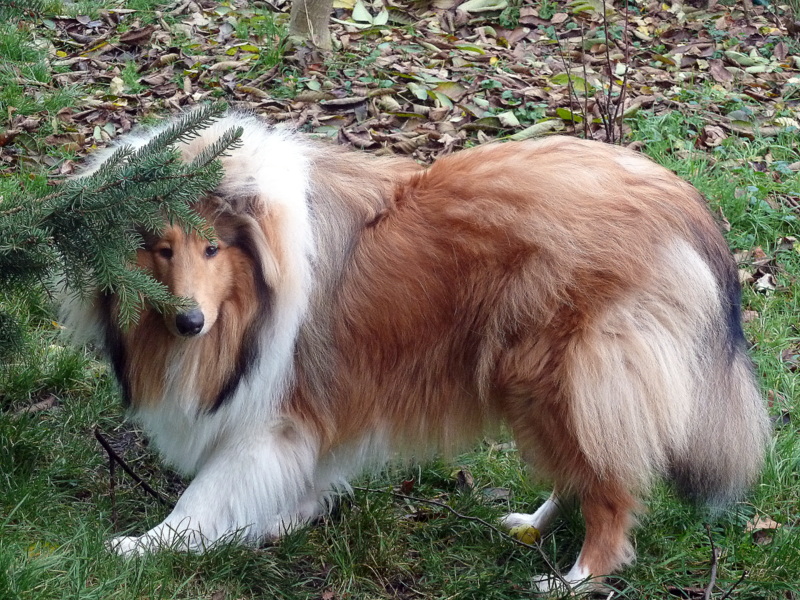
(149, 237)
(265, 223)
(245, 231)
(261, 248)
(246, 204)
(243, 198)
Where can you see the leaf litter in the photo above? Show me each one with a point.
(425, 79)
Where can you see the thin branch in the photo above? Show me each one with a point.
(607, 123)
(133, 179)
(113, 456)
(12, 211)
(714, 560)
(733, 587)
(620, 105)
(483, 522)
(570, 90)
(585, 86)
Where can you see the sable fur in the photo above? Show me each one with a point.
(362, 306)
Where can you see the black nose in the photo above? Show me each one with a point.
(190, 322)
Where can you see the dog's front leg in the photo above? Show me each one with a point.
(246, 491)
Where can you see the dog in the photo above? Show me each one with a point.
(356, 308)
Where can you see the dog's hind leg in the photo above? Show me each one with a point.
(607, 509)
(541, 415)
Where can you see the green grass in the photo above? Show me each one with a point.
(55, 507)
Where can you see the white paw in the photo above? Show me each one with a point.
(552, 585)
(162, 537)
(512, 520)
(541, 519)
(576, 580)
(126, 546)
(549, 584)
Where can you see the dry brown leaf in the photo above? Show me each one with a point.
(713, 135)
(464, 479)
(228, 65)
(718, 71)
(749, 316)
(761, 522)
(766, 283)
(137, 37)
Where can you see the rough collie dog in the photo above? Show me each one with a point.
(355, 308)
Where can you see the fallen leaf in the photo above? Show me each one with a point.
(137, 37)
(116, 87)
(46, 404)
(464, 479)
(791, 358)
(526, 534)
(748, 316)
(228, 65)
(780, 51)
(766, 283)
(496, 494)
(718, 71)
(762, 529)
(713, 135)
(538, 129)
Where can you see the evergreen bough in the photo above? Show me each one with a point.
(85, 234)
(11, 10)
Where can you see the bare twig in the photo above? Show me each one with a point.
(585, 86)
(733, 587)
(483, 522)
(570, 90)
(714, 559)
(606, 113)
(11, 211)
(113, 457)
(619, 108)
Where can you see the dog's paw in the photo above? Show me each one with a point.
(576, 581)
(512, 520)
(126, 546)
(552, 586)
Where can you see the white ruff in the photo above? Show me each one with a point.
(281, 180)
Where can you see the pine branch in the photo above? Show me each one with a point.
(15, 9)
(88, 230)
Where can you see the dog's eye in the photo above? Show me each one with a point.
(211, 251)
(165, 253)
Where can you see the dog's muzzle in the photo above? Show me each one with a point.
(190, 323)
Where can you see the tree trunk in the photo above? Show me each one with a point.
(310, 22)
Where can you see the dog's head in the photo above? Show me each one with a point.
(235, 269)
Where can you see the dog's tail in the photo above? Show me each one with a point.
(728, 428)
(665, 384)
(726, 434)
